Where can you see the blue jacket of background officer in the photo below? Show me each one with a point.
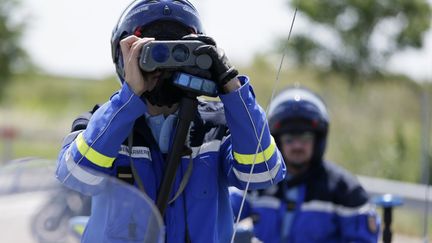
(222, 144)
(318, 201)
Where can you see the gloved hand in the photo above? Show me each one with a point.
(221, 69)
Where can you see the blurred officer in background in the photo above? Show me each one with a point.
(318, 201)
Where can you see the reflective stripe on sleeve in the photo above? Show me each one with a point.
(79, 173)
(329, 207)
(266, 202)
(248, 159)
(92, 155)
(258, 177)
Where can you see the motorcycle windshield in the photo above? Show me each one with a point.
(36, 207)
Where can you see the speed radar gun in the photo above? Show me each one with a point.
(174, 55)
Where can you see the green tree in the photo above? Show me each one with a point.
(12, 56)
(356, 37)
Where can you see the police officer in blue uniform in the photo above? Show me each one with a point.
(132, 132)
(318, 201)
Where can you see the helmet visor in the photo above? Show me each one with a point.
(164, 30)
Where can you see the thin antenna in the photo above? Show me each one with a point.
(263, 129)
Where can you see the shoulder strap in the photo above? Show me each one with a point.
(183, 182)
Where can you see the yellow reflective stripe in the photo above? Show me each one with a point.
(79, 229)
(248, 159)
(91, 154)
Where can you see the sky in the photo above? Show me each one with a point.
(72, 38)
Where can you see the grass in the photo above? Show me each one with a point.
(42, 109)
(408, 222)
(56, 96)
(375, 126)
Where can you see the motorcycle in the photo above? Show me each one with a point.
(36, 207)
(51, 222)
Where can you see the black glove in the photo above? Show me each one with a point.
(221, 69)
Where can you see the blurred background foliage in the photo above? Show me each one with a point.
(356, 37)
(375, 128)
(12, 56)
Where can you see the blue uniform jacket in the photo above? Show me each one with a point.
(223, 141)
(330, 206)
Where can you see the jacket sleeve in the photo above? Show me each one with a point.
(241, 151)
(89, 151)
(357, 217)
(236, 197)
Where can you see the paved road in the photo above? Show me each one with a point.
(16, 212)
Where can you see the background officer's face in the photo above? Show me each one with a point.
(297, 149)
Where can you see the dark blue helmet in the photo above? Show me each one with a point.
(298, 109)
(142, 13)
